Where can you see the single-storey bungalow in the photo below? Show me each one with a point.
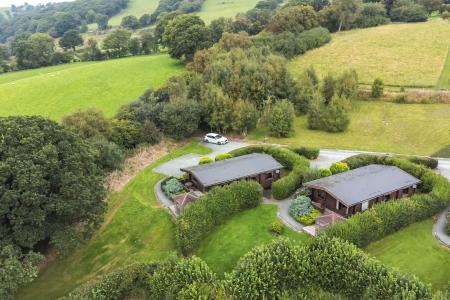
(260, 167)
(359, 189)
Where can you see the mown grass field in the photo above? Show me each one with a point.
(415, 250)
(213, 9)
(136, 8)
(411, 54)
(420, 129)
(222, 249)
(57, 91)
(444, 80)
(136, 229)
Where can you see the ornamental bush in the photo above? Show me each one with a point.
(388, 217)
(308, 152)
(172, 187)
(223, 156)
(308, 219)
(205, 160)
(300, 206)
(199, 218)
(325, 172)
(277, 227)
(339, 167)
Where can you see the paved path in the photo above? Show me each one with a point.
(283, 214)
(440, 228)
(172, 168)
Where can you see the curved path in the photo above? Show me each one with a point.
(439, 228)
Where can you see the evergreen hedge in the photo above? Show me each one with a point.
(308, 152)
(388, 217)
(199, 218)
(298, 165)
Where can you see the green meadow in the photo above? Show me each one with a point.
(57, 91)
(213, 9)
(136, 8)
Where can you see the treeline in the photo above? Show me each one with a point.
(323, 269)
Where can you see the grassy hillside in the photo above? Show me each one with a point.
(213, 9)
(444, 80)
(415, 250)
(379, 126)
(56, 91)
(136, 229)
(399, 54)
(136, 8)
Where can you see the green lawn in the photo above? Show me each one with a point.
(136, 8)
(230, 241)
(444, 80)
(136, 229)
(56, 91)
(411, 54)
(213, 9)
(420, 129)
(415, 250)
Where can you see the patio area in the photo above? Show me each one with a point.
(327, 219)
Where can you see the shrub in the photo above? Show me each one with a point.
(325, 172)
(409, 12)
(311, 174)
(308, 152)
(339, 167)
(293, 19)
(298, 165)
(277, 227)
(388, 217)
(109, 156)
(308, 219)
(205, 160)
(371, 14)
(428, 162)
(445, 15)
(200, 217)
(300, 206)
(303, 191)
(223, 156)
(281, 119)
(126, 133)
(172, 187)
(377, 88)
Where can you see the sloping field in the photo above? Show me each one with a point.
(136, 8)
(213, 9)
(420, 129)
(444, 80)
(56, 91)
(399, 54)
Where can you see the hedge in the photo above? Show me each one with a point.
(428, 162)
(298, 165)
(308, 152)
(205, 160)
(331, 265)
(223, 156)
(388, 217)
(199, 218)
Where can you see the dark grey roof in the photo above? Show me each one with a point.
(233, 169)
(364, 183)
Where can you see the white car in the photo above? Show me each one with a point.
(215, 138)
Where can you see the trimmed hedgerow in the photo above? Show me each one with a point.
(205, 160)
(308, 152)
(223, 156)
(388, 217)
(428, 162)
(339, 167)
(199, 218)
(298, 165)
(331, 265)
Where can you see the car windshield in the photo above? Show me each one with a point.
(218, 136)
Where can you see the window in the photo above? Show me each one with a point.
(338, 205)
(322, 194)
(365, 205)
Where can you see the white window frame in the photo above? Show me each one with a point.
(365, 205)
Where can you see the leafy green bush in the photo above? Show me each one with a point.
(200, 217)
(281, 119)
(388, 217)
(172, 187)
(205, 160)
(377, 88)
(339, 167)
(277, 227)
(428, 162)
(311, 174)
(223, 156)
(298, 165)
(308, 152)
(308, 219)
(300, 206)
(325, 172)
(409, 12)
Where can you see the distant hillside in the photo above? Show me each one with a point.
(56, 91)
(213, 9)
(136, 8)
(408, 54)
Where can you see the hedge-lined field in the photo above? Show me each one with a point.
(56, 91)
(411, 54)
(136, 8)
(213, 9)
(414, 129)
(415, 250)
(239, 235)
(136, 229)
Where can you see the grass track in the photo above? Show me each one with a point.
(136, 8)
(136, 230)
(57, 91)
(213, 9)
(444, 80)
(222, 249)
(420, 129)
(415, 250)
(400, 54)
